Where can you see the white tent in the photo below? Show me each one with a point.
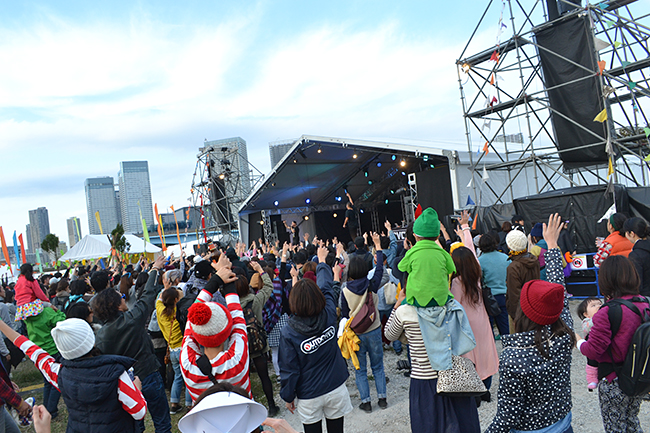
(97, 246)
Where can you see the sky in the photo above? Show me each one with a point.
(85, 85)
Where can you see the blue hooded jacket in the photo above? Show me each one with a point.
(311, 363)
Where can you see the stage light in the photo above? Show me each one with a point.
(262, 223)
(355, 156)
(466, 67)
(365, 173)
(295, 161)
(369, 182)
(273, 184)
(337, 198)
(361, 210)
(379, 164)
(425, 158)
(222, 176)
(432, 166)
(276, 203)
(335, 215)
(307, 201)
(393, 157)
(306, 217)
(402, 163)
(386, 201)
(403, 174)
(319, 149)
(392, 191)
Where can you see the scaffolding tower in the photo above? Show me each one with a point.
(506, 106)
(223, 178)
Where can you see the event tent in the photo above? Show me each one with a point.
(98, 246)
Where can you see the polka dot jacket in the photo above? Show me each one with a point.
(535, 392)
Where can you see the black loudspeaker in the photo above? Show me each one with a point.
(574, 94)
(255, 229)
(434, 190)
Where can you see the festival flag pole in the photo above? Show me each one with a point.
(17, 251)
(160, 232)
(5, 252)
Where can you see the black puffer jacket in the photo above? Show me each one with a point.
(126, 334)
(640, 256)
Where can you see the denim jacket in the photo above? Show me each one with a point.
(446, 331)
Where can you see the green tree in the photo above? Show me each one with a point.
(118, 241)
(51, 245)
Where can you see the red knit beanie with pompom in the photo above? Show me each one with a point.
(541, 301)
(210, 322)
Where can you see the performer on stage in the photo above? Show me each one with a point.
(294, 232)
(351, 218)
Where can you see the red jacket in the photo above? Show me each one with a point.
(600, 336)
(28, 291)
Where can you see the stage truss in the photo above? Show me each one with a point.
(506, 109)
(223, 179)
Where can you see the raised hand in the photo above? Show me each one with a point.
(376, 241)
(551, 230)
(322, 254)
(388, 226)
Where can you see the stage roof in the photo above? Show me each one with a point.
(316, 171)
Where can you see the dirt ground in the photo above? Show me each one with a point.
(586, 409)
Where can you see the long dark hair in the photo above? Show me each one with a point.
(26, 270)
(140, 284)
(126, 282)
(617, 277)
(469, 271)
(558, 328)
(169, 298)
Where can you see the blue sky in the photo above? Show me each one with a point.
(85, 85)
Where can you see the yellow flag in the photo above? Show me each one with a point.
(602, 116)
(610, 168)
(99, 222)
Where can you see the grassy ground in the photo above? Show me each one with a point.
(27, 376)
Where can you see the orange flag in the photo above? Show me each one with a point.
(22, 248)
(486, 149)
(601, 66)
(159, 227)
(5, 252)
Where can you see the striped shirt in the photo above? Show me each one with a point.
(231, 365)
(405, 319)
(131, 398)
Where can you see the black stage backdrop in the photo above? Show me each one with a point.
(580, 101)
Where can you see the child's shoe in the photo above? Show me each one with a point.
(592, 385)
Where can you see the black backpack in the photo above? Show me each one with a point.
(634, 373)
(255, 331)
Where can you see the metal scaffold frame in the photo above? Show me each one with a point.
(222, 180)
(506, 108)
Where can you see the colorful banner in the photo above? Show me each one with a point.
(38, 260)
(22, 248)
(5, 251)
(17, 251)
(99, 222)
(76, 224)
(178, 234)
(160, 233)
(145, 230)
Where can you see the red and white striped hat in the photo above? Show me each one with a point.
(210, 322)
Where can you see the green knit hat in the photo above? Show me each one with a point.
(427, 225)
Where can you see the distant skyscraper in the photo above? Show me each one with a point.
(135, 188)
(277, 149)
(74, 231)
(100, 196)
(39, 226)
(28, 233)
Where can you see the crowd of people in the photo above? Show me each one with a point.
(312, 311)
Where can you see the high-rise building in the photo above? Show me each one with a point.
(74, 231)
(39, 226)
(28, 233)
(63, 248)
(100, 196)
(135, 195)
(277, 149)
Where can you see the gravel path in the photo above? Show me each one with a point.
(586, 410)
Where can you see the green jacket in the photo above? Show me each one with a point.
(39, 329)
(428, 267)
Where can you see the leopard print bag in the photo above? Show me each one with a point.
(461, 381)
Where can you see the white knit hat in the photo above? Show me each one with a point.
(516, 241)
(73, 337)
